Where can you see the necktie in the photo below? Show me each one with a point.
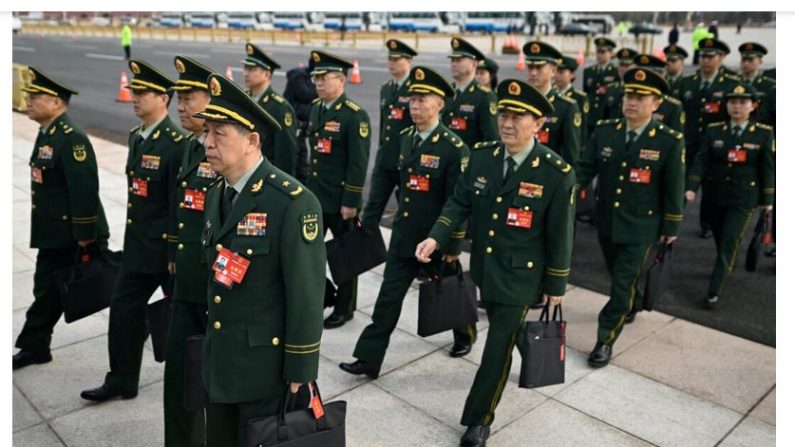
(704, 85)
(226, 202)
(736, 131)
(417, 141)
(631, 137)
(511, 169)
(394, 88)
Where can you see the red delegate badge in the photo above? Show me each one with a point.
(140, 187)
(193, 200)
(323, 145)
(519, 218)
(458, 124)
(640, 175)
(419, 183)
(229, 267)
(396, 113)
(737, 155)
(36, 175)
(543, 136)
(711, 107)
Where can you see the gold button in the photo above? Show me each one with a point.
(184, 184)
(491, 233)
(180, 247)
(499, 199)
(33, 193)
(618, 191)
(129, 221)
(34, 206)
(32, 164)
(131, 173)
(405, 214)
(275, 341)
(753, 183)
(249, 252)
(217, 325)
(410, 170)
(621, 178)
(728, 178)
(64, 217)
(529, 264)
(181, 205)
(217, 299)
(314, 161)
(623, 164)
(314, 174)
(489, 250)
(616, 204)
(218, 247)
(204, 189)
(181, 225)
(164, 236)
(730, 165)
(406, 199)
(129, 189)
(129, 204)
(650, 212)
(495, 216)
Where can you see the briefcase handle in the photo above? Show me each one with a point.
(322, 424)
(436, 269)
(357, 224)
(557, 313)
(84, 255)
(663, 249)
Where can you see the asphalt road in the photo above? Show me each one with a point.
(93, 66)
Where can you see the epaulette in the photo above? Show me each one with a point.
(768, 79)
(352, 105)
(674, 133)
(215, 182)
(408, 129)
(764, 126)
(316, 100)
(278, 98)
(579, 92)
(283, 184)
(673, 100)
(453, 139)
(608, 122)
(176, 135)
(719, 123)
(135, 129)
(486, 144)
(732, 77)
(487, 90)
(557, 161)
(567, 99)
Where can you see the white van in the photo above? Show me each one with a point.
(333, 21)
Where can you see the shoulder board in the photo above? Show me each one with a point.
(579, 92)
(486, 144)
(557, 161)
(608, 122)
(408, 129)
(568, 99)
(692, 77)
(484, 89)
(670, 132)
(453, 139)
(67, 130)
(277, 97)
(135, 129)
(768, 79)
(673, 100)
(718, 124)
(352, 105)
(764, 126)
(316, 100)
(731, 76)
(215, 182)
(291, 187)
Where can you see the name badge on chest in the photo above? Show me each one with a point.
(253, 224)
(140, 187)
(737, 155)
(458, 123)
(205, 170)
(543, 136)
(229, 268)
(193, 200)
(45, 153)
(717, 144)
(419, 183)
(429, 161)
(396, 113)
(37, 175)
(519, 218)
(323, 145)
(150, 162)
(637, 175)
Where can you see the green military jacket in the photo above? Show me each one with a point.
(736, 171)
(428, 174)
(561, 131)
(340, 142)
(64, 188)
(704, 108)
(193, 181)
(394, 118)
(150, 238)
(766, 89)
(595, 86)
(641, 188)
(585, 107)
(675, 85)
(522, 230)
(670, 112)
(265, 330)
(472, 114)
(280, 147)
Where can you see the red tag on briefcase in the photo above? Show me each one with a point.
(519, 218)
(737, 155)
(193, 200)
(140, 187)
(640, 175)
(419, 183)
(543, 136)
(323, 145)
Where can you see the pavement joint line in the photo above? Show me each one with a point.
(31, 405)
(668, 323)
(113, 57)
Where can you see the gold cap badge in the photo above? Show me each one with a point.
(514, 89)
(135, 68)
(249, 49)
(419, 74)
(215, 87)
(315, 57)
(535, 48)
(640, 75)
(739, 89)
(180, 66)
(392, 44)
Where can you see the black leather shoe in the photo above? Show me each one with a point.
(600, 356)
(460, 350)
(104, 393)
(360, 367)
(24, 358)
(710, 301)
(630, 317)
(475, 436)
(336, 320)
(706, 233)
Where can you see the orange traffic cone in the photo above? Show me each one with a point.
(356, 77)
(124, 92)
(229, 73)
(520, 65)
(580, 57)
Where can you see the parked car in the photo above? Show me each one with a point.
(576, 29)
(644, 28)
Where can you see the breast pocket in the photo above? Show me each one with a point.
(256, 250)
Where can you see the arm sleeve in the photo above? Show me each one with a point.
(453, 246)
(674, 189)
(358, 133)
(697, 170)
(488, 120)
(560, 220)
(768, 172)
(571, 134)
(456, 210)
(586, 167)
(82, 182)
(286, 149)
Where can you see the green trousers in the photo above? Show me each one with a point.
(346, 293)
(624, 262)
(46, 310)
(728, 224)
(127, 326)
(506, 323)
(374, 340)
(183, 427)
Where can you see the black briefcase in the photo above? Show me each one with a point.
(544, 350)
(446, 303)
(195, 396)
(85, 287)
(320, 425)
(757, 242)
(657, 276)
(586, 204)
(158, 316)
(355, 252)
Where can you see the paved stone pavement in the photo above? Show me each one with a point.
(672, 383)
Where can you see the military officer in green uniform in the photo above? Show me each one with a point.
(751, 54)
(281, 147)
(150, 238)
(394, 118)
(675, 57)
(431, 158)
(564, 82)
(561, 130)
(737, 166)
(66, 212)
(520, 196)
(611, 107)
(339, 136)
(670, 112)
(263, 243)
(640, 164)
(471, 112)
(704, 98)
(486, 74)
(189, 308)
(597, 76)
